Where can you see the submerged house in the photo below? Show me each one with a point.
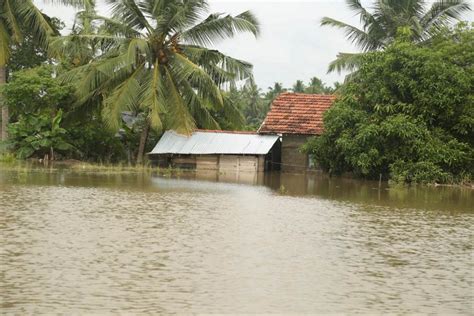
(295, 117)
(222, 151)
(292, 119)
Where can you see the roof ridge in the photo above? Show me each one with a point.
(217, 131)
(304, 93)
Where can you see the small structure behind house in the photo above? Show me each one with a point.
(296, 116)
(222, 151)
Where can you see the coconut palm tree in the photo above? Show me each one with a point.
(299, 87)
(155, 60)
(316, 86)
(274, 91)
(16, 16)
(251, 94)
(74, 50)
(380, 25)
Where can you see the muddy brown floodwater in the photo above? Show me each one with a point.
(79, 243)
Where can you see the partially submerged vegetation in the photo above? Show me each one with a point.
(9, 163)
(407, 114)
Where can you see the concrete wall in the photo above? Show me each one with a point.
(291, 158)
(221, 163)
(207, 162)
(234, 163)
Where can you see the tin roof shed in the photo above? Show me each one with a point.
(205, 142)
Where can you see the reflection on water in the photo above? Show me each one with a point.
(248, 244)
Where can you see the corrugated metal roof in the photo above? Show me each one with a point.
(214, 142)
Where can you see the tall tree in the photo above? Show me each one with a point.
(316, 86)
(74, 50)
(380, 27)
(274, 91)
(253, 110)
(155, 60)
(299, 86)
(15, 17)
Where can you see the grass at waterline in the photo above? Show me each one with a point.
(80, 167)
(7, 158)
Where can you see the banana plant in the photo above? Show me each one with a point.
(39, 135)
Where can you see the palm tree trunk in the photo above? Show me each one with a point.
(143, 138)
(5, 115)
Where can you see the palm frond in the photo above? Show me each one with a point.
(354, 34)
(232, 113)
(366, 17)
(443, 12)
(199, 108)
(115, 27)
(217, 27)
(222, 68)
(130, 14)
(10, 18)
(176, 16)
(124, 97)
(137, 46)
(178, 116)
(153, 96)
(346, 62)
(36, 22)
(74, 3)
(185, 70)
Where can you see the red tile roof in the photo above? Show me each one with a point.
(297, 113)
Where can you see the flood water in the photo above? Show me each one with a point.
(83, 243)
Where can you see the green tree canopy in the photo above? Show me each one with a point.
(409, 113)
(299, 87)
(20, 18)
(31, 91)
(154, 59)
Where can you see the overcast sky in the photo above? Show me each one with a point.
(291, 46)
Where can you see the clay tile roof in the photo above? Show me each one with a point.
(297, 113)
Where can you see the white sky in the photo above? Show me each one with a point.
(291, 46)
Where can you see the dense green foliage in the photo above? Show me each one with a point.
(38, 135)
(31, 91)
(23, 28)
(30, 53)
(46, 121)
(408, 114)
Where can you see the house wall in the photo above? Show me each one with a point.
(232, 163)
(207, 162)
(292, 159)
(221, 163)
(184, 161)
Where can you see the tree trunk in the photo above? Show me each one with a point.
(143, 138)
(129, 155)
(5, 115)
